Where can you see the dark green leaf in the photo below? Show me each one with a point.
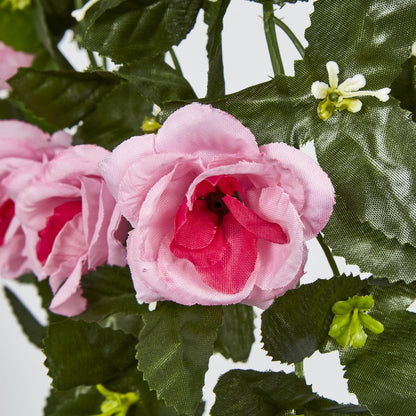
(404, 86)
(174, 348)
(10, 110)
(61, 98)
(17, 29)
(369, 157)
(157, 81)
(213, 16)
(297, 324)
(79, 401)
(236, 335)
(366, 37)
(383, 373)
(370, 249)
(58, 15)
(84, 353)
(34, 331)
(48, 41)
(111, 299)
(251, 393)
(117, 117)
(126, 30)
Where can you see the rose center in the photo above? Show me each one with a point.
(6, 216)
(215, 204)
(54, 224)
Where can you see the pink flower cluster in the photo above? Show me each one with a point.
(57, 216)
(216, 219)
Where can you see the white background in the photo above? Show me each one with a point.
(23, 380)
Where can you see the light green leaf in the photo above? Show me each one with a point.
(297, 324)
(84, 353)
(34, 331)
(174, 348)
(236, 335)
(383, 373)
(61, 98)
(252, 393)
(213, 16)
(370, 249)
(126, 30)
(157, 81)
(117, 117)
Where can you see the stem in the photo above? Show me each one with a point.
(270, 32)
(299, 369)
(328, 254)
(291, 35)
(92, 59)
(175, 61)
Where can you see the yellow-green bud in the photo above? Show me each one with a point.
(16, 4)
(150, 125)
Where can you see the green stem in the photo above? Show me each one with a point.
(92, 59)
(299, 369)
(270, 32)
(175, 61)
(291, 35)
(328, 254)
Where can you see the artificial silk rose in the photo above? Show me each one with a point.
(10, 62)
(23, 151)
(217, 220)
(72, 224)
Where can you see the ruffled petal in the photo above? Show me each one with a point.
(205, 132)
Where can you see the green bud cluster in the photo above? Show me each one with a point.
(351, 318)
(116, 404)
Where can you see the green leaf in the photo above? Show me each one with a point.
(174, 348)
(370, 165)
(17, 29)
(381, 42)
(383, 373)
(213, 17)
(79, 401)
(61, 98)
(236, 335)
(34, 331)
(111, 299)
(297, 324)
(49, 42)
(370, 249)
(404, 86)
(10, 110)
(126, 30)
(117, 117)
(84, 353)
(157, 81)
(252, 393)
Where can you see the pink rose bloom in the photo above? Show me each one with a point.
(10, 62)
(72, 224)
(217, 220)
(23, 151)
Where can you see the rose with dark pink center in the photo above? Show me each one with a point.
(72, 224)
(216, 219)
(24, 149)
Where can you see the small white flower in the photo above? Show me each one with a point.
(79, 14)
(152, 306)
(336, 98)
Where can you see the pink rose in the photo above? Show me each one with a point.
(72, 224)
(217, 220)
(10, 62)
(23, 151)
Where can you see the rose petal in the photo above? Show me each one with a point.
(203, 131)
(253, 223)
